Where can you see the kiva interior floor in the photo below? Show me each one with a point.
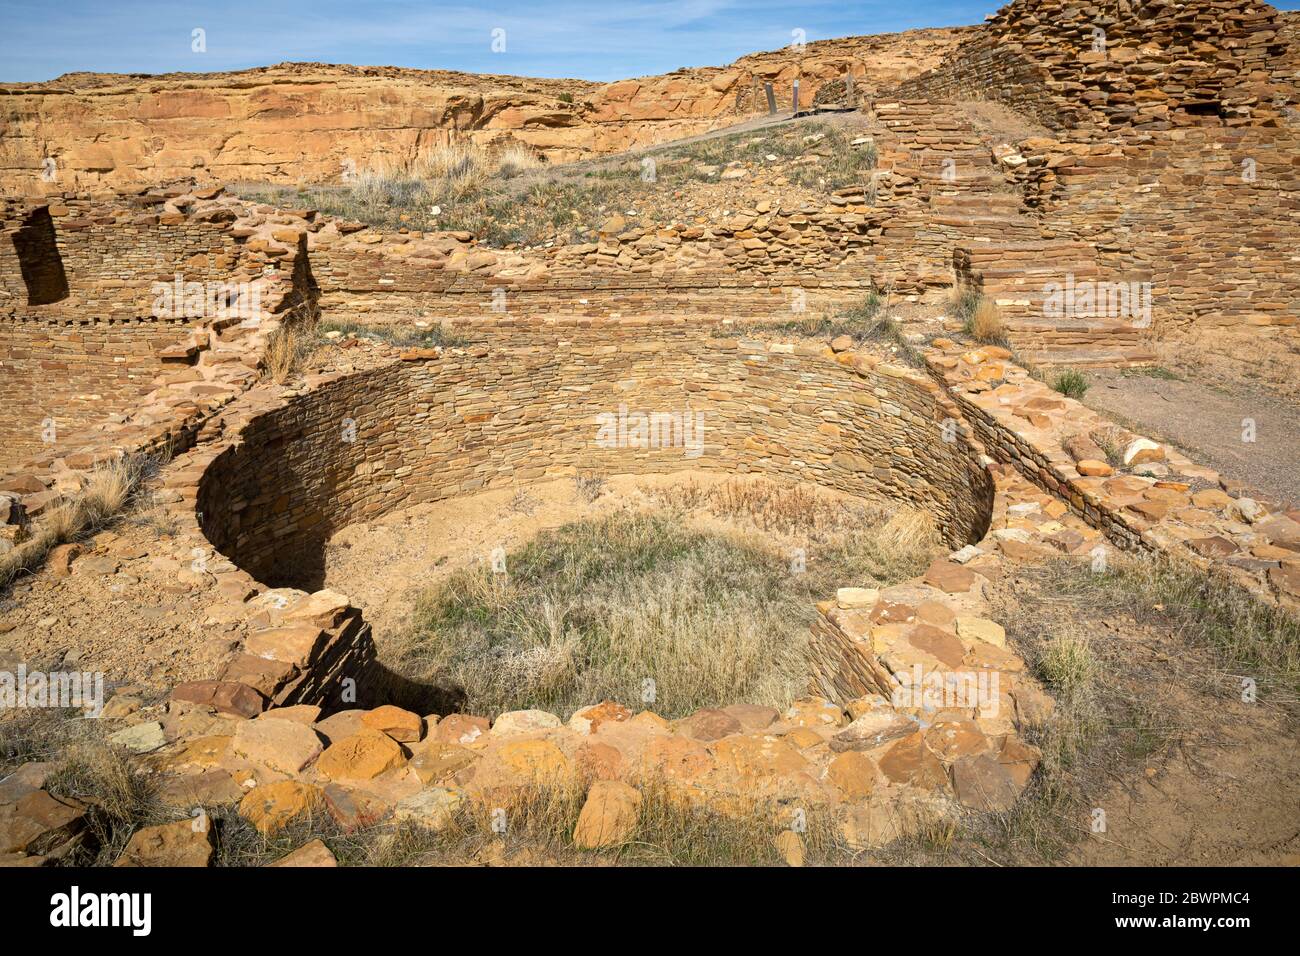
(383, 565)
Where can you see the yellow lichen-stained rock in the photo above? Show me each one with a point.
(535, 760)
(402, 725)
(282, 745)
(911, 761)
(608, 816)
(759, 755)
(199, 752)
(804, 737)
(271, 806)
(587, 720)
(854, 774)
(313, 854)
(815, 712)
(437, 762)
(182, 843)
(676, 758)
(970, 628)
(433, 808)
(523, 722)
(362, 756)
(883, 818)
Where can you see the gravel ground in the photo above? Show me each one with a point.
(1207, 424)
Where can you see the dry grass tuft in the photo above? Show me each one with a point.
(108, 491)
(393, 334)
(121, 793)
(42, 734)
(985, 324)
(1071, 383)
(516, 158)
(282, 354)
(868, 321)
(596, 608)
(1066, 664)
(588, 487)
(980, 316)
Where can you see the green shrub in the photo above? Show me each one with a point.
(1071, 383)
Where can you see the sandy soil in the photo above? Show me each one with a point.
(130, 609)
(1227, 793)
(1219, 785)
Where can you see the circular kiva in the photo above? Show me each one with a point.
(531, 404)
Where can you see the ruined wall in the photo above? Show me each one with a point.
(774, 262)
(1176, 163)
(1210, 216)
(524, 406)
(110, 250)
(757, 261)
(59, 375)
(81, 334)
(1143, 64)
(31, 272)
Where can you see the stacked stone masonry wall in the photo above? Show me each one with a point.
(1118, 64)
(525, 405)
(62, 376)
(73, 359)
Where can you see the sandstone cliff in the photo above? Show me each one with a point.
(310, 122)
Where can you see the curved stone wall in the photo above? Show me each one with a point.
(534, 402)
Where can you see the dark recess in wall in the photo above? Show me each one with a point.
(39, 259)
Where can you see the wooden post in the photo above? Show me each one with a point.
(771, 97)
(796, 95)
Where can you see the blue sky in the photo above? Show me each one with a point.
(590, 39)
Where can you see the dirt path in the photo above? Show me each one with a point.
(1227, 794)
(1207, 423)
(1186, 772)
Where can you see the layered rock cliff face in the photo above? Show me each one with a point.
(313, 122)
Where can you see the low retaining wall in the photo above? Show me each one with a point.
(1155, 499)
